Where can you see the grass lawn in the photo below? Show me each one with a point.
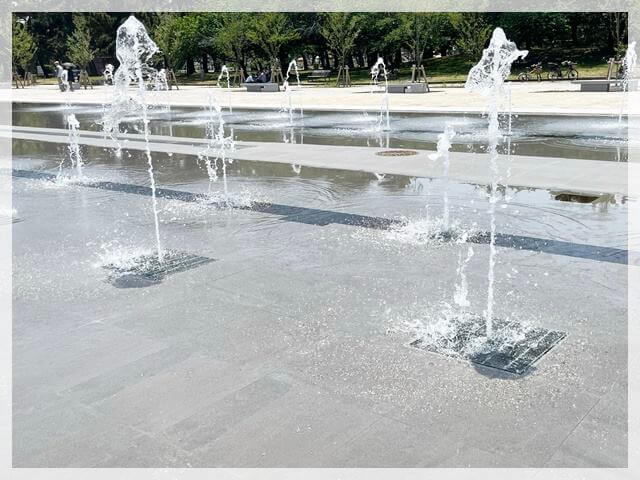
(452, 69)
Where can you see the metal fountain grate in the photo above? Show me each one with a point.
(514, 357)
(6, 219)
(396, 153)
(147, 270)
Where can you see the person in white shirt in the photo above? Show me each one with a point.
(59, 71)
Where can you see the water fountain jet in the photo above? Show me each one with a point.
(225, 71)
(487, 78)
(375, 72)
(134, 48)
(287, 88)
(444, 145)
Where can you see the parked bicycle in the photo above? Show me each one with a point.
(534, 72)
(556, 71)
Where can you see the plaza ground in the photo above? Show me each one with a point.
(286, 350)
(527, 97)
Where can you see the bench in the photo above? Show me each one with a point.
(262, 87)
(613, 85)
(408, 88)
(319, 75)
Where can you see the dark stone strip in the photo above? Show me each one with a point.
(314, 216)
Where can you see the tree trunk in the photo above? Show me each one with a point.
(205, 63)
(305, 65)
(397, 61)
(371, 59)
(360, 58)
(191, 69)
(324, 58)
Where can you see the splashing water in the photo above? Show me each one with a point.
(134, 48)
(628, 65)
(218, 145)
(487, 78)
(225, 71)
(160, 81)
(214, 117)
(384, 107)
(74, 147)
(287, 88)
(444, 145)
(462, 287)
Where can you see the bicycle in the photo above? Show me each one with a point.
(534, 72)
(556, 72)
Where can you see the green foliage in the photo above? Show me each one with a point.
(473, 31)
(233, 35)
(417, 31)
(276, 35)
(374, 37)
(167, 37)
(79, 44)
(340, 30)
(23, 44)
(272, 32)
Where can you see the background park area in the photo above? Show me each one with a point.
(196, 45)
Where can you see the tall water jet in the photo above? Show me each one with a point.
(214, 116)
(462, 287)
(487, 78)
(444, 145)
(134, 48)
(225, 71)
(287, 88)
(218, 145)
(384, 107)
(74, 145)
(628, 66)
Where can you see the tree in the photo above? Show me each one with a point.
(340, 30)
(79, 45)
(49, 31)
(272, 32)
(23, 45)
(618, 28)
(233, 37)
(167, 37)
(374, 40)
(417, 31)
(472, 31)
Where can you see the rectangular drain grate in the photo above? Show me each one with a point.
(147, 269)
(526, 346)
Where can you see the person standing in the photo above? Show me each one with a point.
(70, 78)
(59, 71)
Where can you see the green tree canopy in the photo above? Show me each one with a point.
(473, 31)
(233, 36)
(79, 43)
(340, 30)
(167, 37)
(23, 44)
(417, 31)
(272, 32)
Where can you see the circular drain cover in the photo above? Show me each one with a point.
(396, 153)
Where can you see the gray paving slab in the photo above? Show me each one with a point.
(285, 350)
(586, 176)
(389, 442)
(303, 428)
(223, 416)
